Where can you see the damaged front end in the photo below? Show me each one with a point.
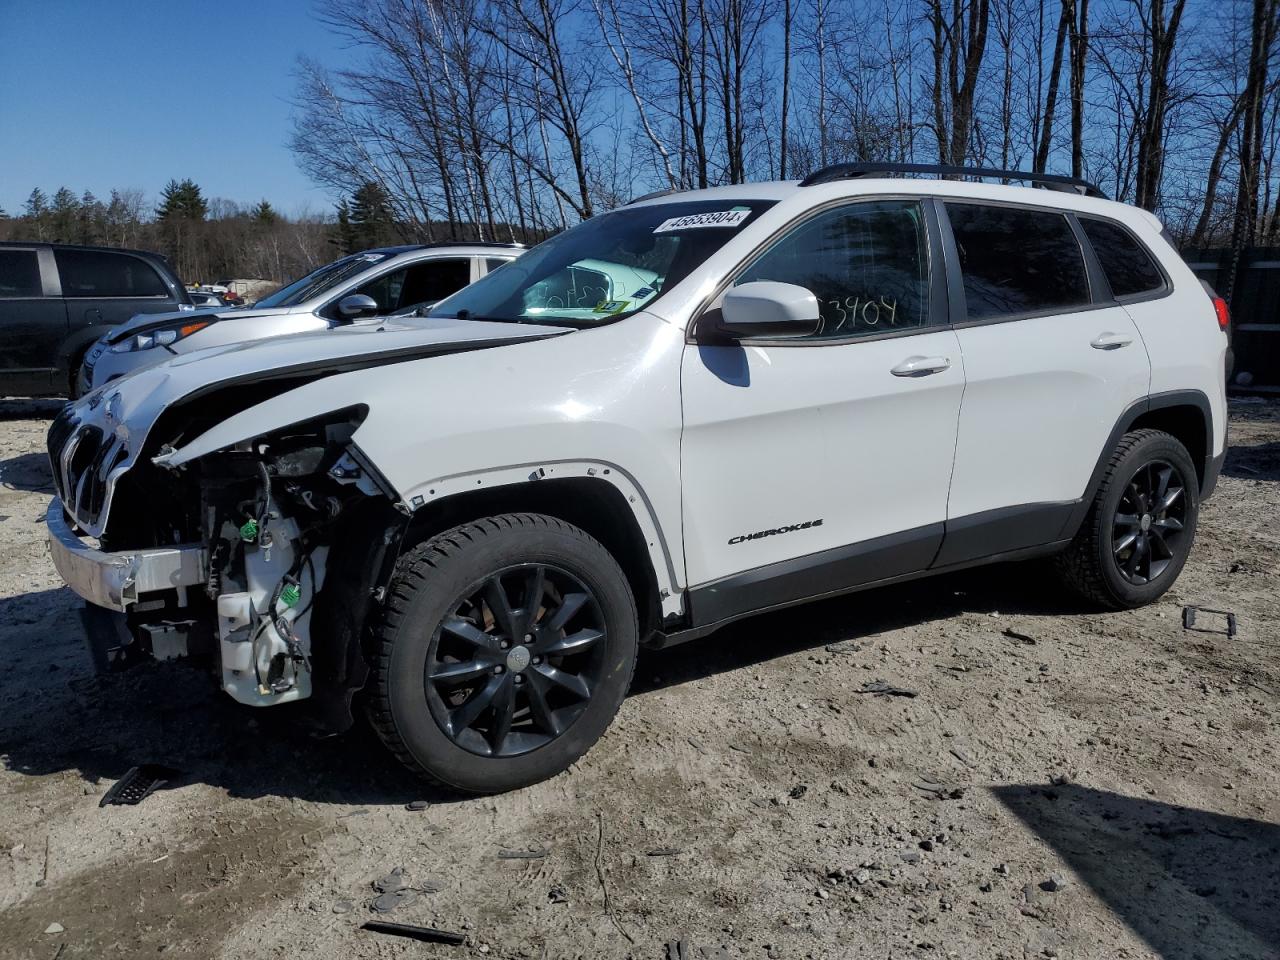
(258, 561)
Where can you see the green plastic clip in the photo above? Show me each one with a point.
(249, 531)
(291, 594)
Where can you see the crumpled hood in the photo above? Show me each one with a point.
(122, 413)
(143, 322)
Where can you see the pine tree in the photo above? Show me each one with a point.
(182, 200)
(37, 204)
(92, 227)
(264, 213)
(344, 235)
(371, 219)
(64, 216)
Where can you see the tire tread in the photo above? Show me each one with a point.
(411, 571)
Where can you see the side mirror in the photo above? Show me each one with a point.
(766, 308)
(357, 305)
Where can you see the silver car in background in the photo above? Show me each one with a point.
(389, 280)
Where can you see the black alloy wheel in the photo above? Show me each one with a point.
(504, 650)
(1140, 525)
(1149, 522)
(516, 661)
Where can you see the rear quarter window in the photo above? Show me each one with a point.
(1017, 262)
(98, 274)
(1127, 264)
(19, 274)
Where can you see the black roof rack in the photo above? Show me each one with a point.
(651, 196)
(1049, 181)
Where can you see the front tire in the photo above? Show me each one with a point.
(505, 650)
(1140, 527)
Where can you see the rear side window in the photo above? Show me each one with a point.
(1017, 262)
(1128, 266)
(19, 274)
(493, 263)
(96, 274)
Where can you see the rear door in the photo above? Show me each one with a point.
(106, 287)
(1051, 363)
(33, 321)
(811, 465)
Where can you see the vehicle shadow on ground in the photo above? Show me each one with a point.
(19, 409)
(57, 716)
(1008, 589)
(27, 471)
(1261, 461)
(174, 715)
(1191, 883)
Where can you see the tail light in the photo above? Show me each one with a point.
(1224, 313)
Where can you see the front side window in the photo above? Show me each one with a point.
(95, 274)
(417, 284)
(19, 274)
(607, 268)
(867, 263)
(1016, 262)
(1125, 262)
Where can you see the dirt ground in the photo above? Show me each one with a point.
(1065, 783)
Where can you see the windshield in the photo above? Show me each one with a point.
(606, 268)
(321, 280)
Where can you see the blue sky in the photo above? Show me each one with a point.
(96, 94)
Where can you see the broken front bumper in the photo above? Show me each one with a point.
(116, 580)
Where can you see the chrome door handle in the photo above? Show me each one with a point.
(1110, 341)
(921, 366)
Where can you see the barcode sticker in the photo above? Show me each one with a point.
(716, 218)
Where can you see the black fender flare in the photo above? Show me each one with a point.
(1158, 401)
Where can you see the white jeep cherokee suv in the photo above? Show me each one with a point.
(803, 389)
(388, 280)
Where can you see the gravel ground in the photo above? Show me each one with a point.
(1064, 784)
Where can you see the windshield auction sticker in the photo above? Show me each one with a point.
(716, 218)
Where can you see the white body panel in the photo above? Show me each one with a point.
(1187, 350)
(783, 435)
(709, 443)
(1039, 406)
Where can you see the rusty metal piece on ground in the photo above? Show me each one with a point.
(1190, 615)
(425, 934)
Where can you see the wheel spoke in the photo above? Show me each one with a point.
(535, 587)
(569, 681)
(1168, 523)
(1125, 542)
(574, 643)
(571, 605)
(504, 711)
(495, 597)
(1170, 499)
(536, 690)
(1157, 540)
(1127, 520)
(456, 673)
(1165, 474)
(465, 630)
(467, 714)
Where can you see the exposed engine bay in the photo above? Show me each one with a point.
(260, 525)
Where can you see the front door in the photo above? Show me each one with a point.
(815, 464)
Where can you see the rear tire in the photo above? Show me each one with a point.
(506, 648)
(1140, 527)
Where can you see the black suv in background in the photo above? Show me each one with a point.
(57, 299)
